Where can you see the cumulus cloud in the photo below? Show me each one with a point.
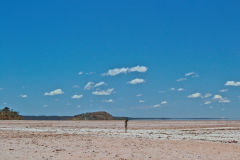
(217, 96)
(195, 95)
(103, 92)
(141, 101)
(116, 71)
(159, 105)
(224, 100)
(232, 83)
(136, 81)
(99, 84)
(156, 106)
(139, 95)
(89, 86)
(23, 96)
(54, 92)
(192, 74)
(77, 96)
(164, 102)
(140, 69)
(109, 101)
(187, 76)
(124, 70)
(177, 89)
(208, 102)
(220, 99)
(181, 79)
(207, 95)
(180, 89)
(80, 73)
(223, 90)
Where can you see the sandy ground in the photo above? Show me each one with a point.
(106, 140)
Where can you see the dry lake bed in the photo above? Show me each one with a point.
(107, 140)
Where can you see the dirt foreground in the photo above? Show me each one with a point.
(106, 140)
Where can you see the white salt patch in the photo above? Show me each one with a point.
(222, 134)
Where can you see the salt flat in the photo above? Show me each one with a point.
(108, 140)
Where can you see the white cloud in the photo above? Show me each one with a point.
(159, 105)
(80, 73)
(89, 86)
(192, 74)
(139, 95)
(208, 102)
(136, 81)
(99, 84)
(103, 92)
(23, 96)
(180, 89)
(195, 95)
(207, 95)
(195, 75)
(189, 74)
(109, 101)
(141, 101)
(140, 69)
(54, 92)
(224, 100)
(217, 96)
(116, 71)
(172, 89)
(124, 70)
(164, 102)
(76, 96)
(156, 106)
(223, 90)
(181, 79)
(220, 99)
(232, 83)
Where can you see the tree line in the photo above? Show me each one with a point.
(7, 114)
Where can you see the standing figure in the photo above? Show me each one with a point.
(126, 124)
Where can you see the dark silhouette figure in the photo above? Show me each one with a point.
(126, 125)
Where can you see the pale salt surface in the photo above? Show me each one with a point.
(107, 140)
(218, 134)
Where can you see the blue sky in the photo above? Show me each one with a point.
(156, 58)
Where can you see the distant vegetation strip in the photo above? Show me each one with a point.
(7, 114)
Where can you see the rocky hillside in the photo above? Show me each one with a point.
(94, 116)
(7, 114)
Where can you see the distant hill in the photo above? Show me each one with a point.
(94, 116)
(7, 114)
